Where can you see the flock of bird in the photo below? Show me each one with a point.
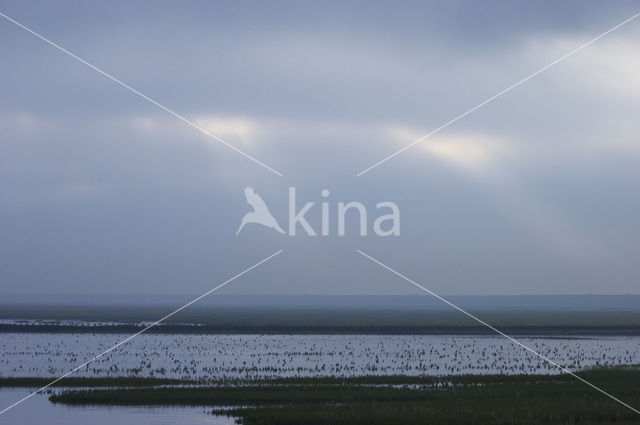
(264, 356)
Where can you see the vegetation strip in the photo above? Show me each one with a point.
(516, 399)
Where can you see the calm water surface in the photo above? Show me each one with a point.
(38, 410)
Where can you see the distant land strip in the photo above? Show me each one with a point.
(532, 330)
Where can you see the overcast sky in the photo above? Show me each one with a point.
(535, 193)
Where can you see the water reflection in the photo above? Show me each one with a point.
(38, 410)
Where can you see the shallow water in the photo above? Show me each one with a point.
(217, 356)
(38, 410)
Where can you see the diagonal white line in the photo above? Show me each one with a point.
(498, 331)
(124, 341)
(492, 98)
(159, 105)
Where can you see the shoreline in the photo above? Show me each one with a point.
(440, 330)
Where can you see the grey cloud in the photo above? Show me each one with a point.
(102, 192)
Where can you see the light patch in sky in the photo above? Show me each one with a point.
(474, 152)
(240, 129)
(610, 66)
